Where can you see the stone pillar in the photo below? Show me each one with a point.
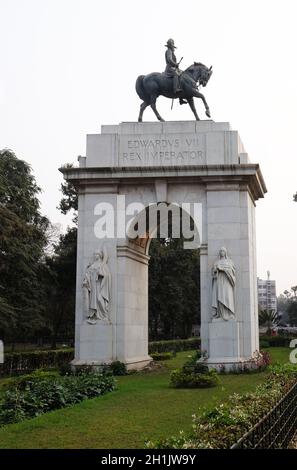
(132, 307)
(94, 343)
(205, 299)
(231, 223)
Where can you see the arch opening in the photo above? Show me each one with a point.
(170, 237)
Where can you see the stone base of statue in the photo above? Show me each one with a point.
(223, 340)
(95, 348)
(224, 345)
(185, 162)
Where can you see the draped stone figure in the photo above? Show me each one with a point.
(97, 288)
(223, 286)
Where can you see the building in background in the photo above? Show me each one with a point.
(267, 294)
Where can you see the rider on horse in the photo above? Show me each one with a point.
(173, 83)
(172, 68)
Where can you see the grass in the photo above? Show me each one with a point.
(144, 407)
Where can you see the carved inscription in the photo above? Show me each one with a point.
(162, 151)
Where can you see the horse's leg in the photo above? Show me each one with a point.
(197, 94)
(192, 106)
(142, 108)
(153, 106)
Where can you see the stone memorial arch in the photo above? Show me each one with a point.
(130, 169)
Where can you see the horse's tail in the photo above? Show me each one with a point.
(140, 89)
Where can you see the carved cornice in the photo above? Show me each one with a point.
(131, 253)
(247, 176)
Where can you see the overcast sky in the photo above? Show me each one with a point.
(68, 66)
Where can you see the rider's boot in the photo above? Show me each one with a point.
(176, 85)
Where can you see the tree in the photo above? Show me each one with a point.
(173, 289)
(292, 312)
(294, 290)
(22, 242)
(69, 200)
(59, 271)
(268, 318)
(59, 277)
(292, 306)
(287, 302)
(7, 316)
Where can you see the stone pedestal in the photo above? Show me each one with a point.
(95, 344)
(224, 344)
(224, 340)
(174, 162)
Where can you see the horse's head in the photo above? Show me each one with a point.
(203, 73)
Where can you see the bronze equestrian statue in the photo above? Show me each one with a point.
(173, 83)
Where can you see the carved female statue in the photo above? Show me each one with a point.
(223, 284)
(96, 286)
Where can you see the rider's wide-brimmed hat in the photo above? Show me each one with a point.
(169, 43)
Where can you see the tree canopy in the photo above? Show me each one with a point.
(287, 304)
(22, 243)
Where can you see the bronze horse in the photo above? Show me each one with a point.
(149, 87)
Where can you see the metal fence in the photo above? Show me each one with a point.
(44, 342)
(276, 429)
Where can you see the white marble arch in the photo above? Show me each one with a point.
(175, 162)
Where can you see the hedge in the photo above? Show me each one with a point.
(27, 361)
(175, 345)
(275, 341)
(20, 362)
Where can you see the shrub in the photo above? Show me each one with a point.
(22, 381)
(66, 369)
(276, 341)
(181, 379)
(220, 426)
(118, 368)
(192, 365)
(174, 345)
(36, 395)
(264, 343)
(164, 356)
(260, 363)
(264, 361)
(290, 332)
(194, 374)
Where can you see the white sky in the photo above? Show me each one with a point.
(59, 59)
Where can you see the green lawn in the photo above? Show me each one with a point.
(143, 407)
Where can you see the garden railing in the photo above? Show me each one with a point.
(276, 429)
